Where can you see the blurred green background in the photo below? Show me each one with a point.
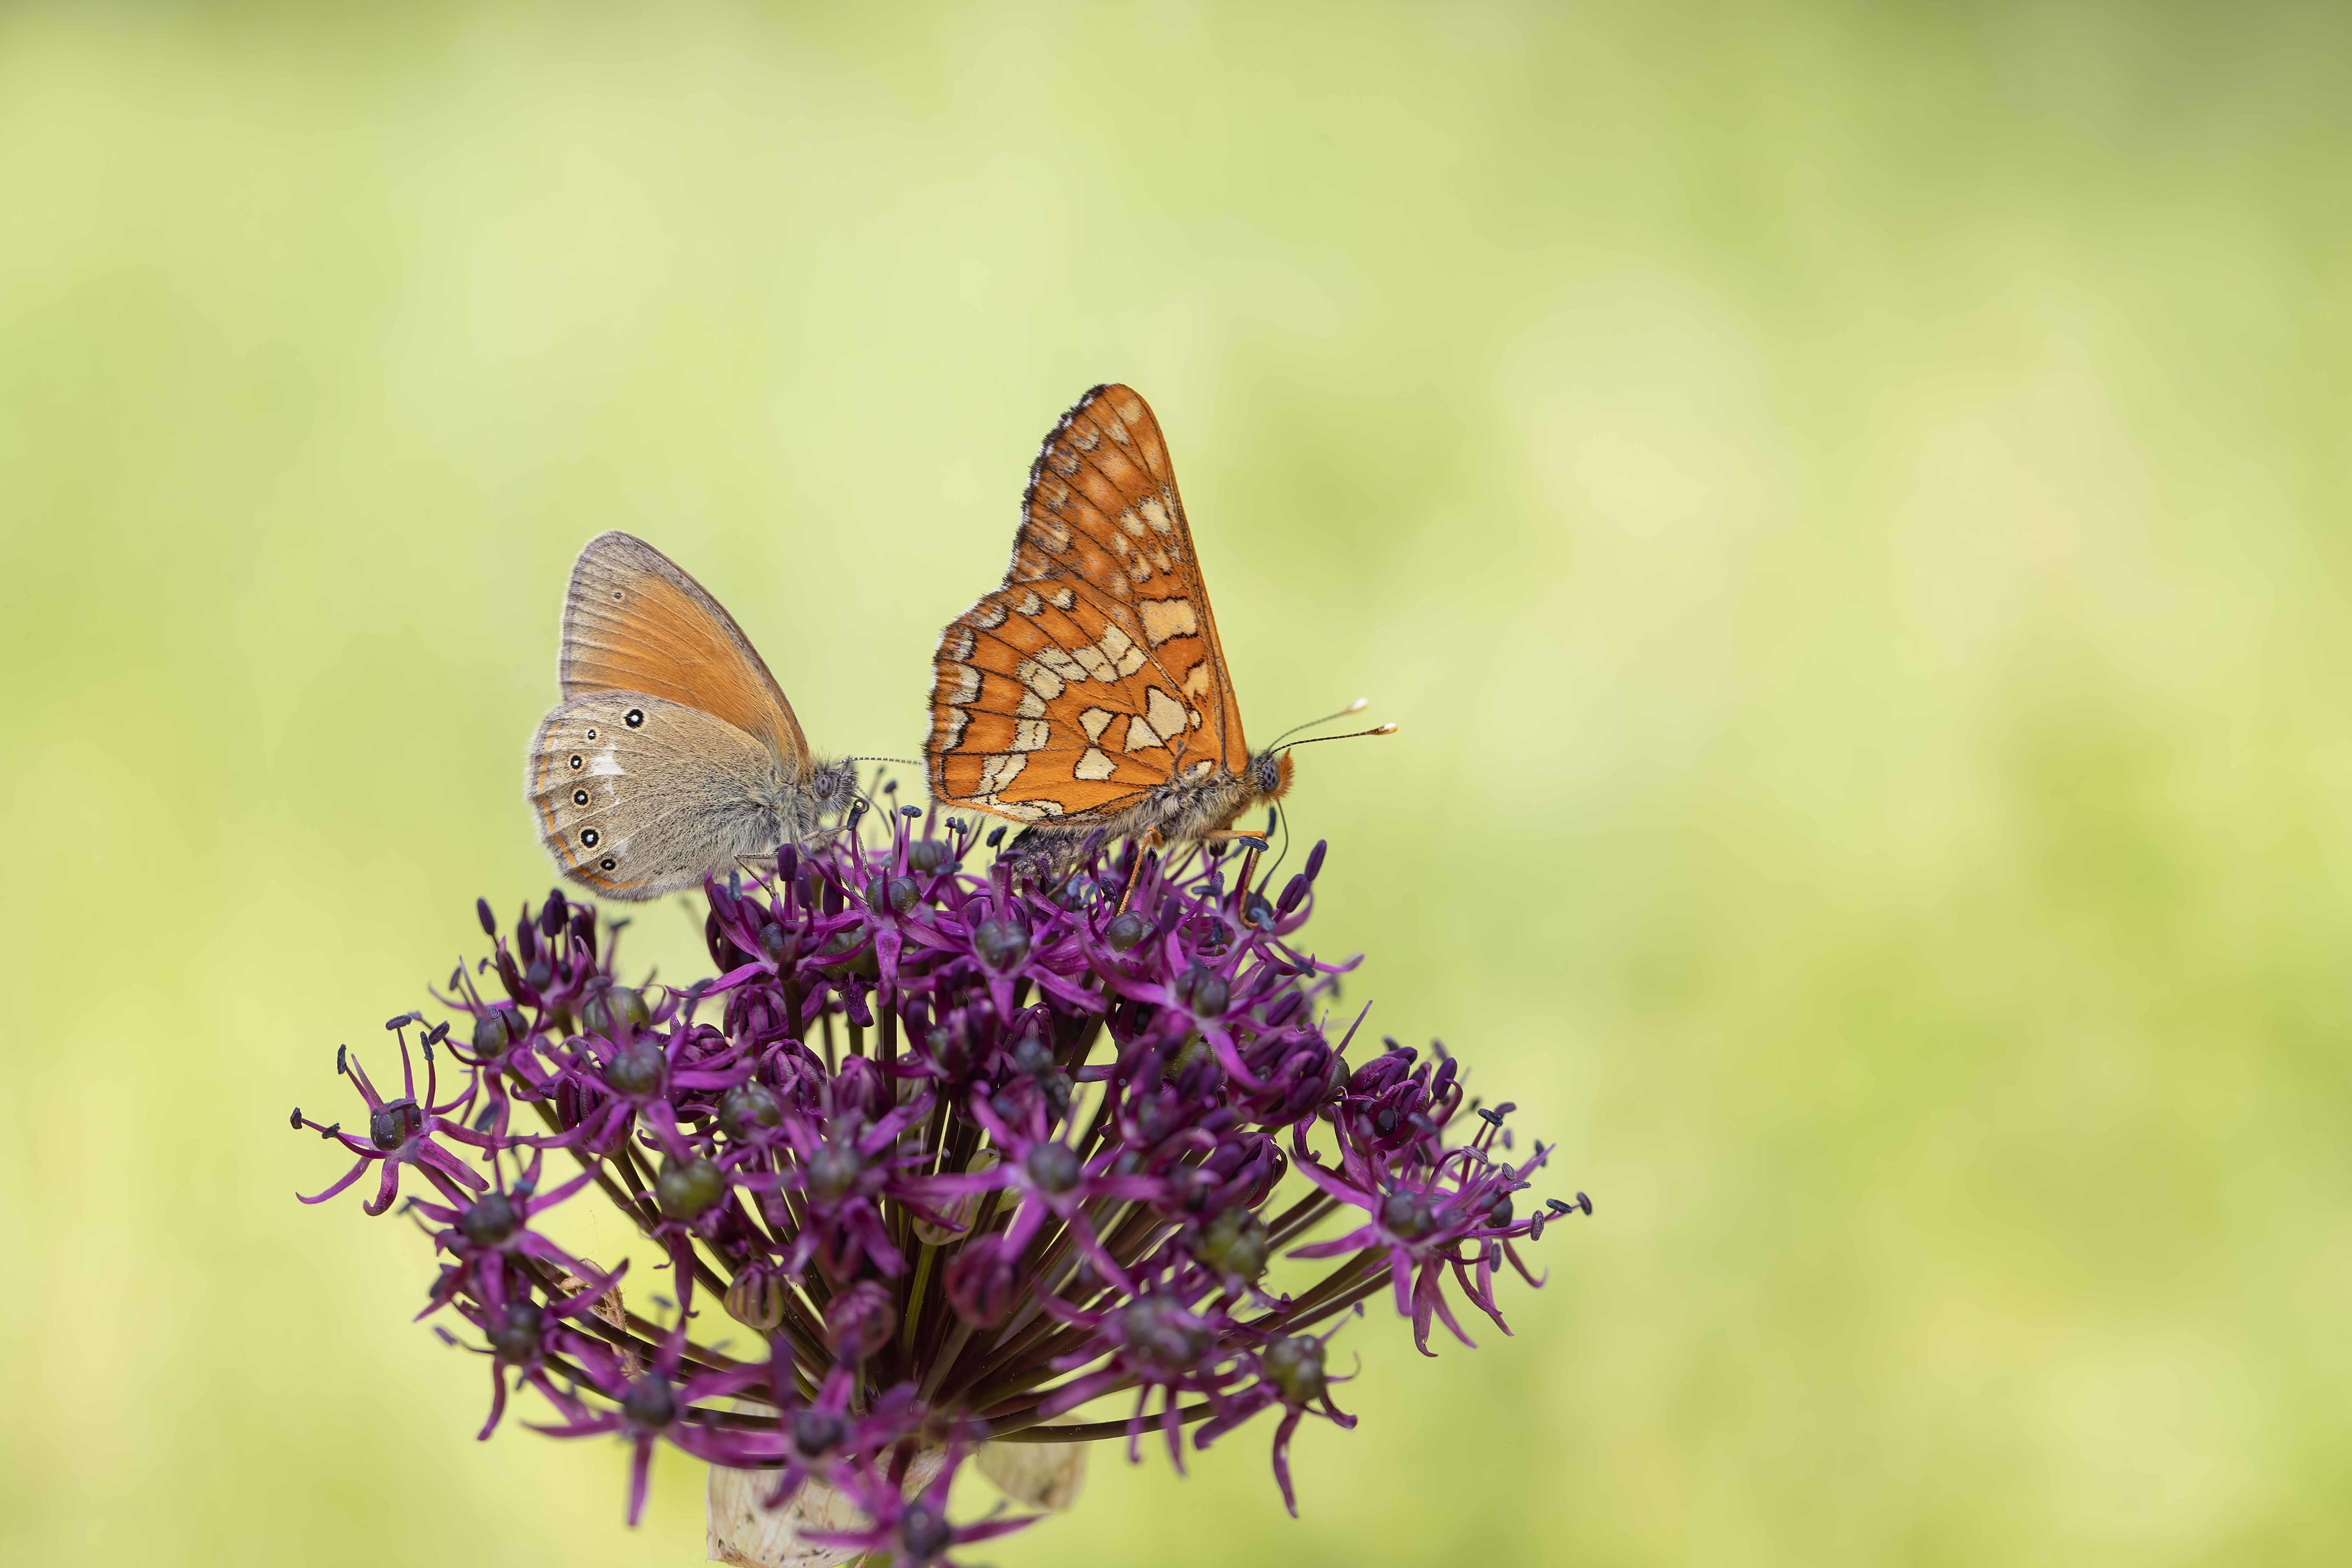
(1849, 506)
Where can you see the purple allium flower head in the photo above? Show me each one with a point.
(964, 1149)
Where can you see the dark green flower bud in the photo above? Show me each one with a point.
(514, 1332)
(686, 1190)
(1295, 1366)
(1000, 944)
(650, 1401)
(638, 1069)
(1235, 1242)
(926, 854)
(746, 1106)
(1126, 932)
(1053, 1166)
(490, 1219)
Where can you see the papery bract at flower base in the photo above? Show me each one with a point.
(962, 1150)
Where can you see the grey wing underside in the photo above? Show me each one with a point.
(679, 797)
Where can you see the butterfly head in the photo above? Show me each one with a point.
(1269, 775)
(833, 786)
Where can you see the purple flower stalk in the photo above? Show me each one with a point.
(967, 1149)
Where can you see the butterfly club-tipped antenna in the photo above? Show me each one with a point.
(1283, 743)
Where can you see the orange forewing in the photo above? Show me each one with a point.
(636, 621)
(1095, 673)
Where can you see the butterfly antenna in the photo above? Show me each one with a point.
(1359, 705)
(1351, 734)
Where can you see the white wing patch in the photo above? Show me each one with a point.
(1093, 766)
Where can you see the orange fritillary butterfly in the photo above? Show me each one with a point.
(1090, 692)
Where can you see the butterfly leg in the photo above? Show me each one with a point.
(1144, 845)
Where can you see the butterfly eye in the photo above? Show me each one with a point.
(580, 796)
(589, 838)
(637, 718)
(577, 762)
(607, 864)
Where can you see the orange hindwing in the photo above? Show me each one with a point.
(1094, 673)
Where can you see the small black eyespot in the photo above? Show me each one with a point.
(589, 836)
(580, 796)
(607, 864)
(592, 735)
(637, 716)
(617, 595)
(577, 762)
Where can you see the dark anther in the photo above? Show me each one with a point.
(404, 1017)
(341, 1066)
(1000, 944)
(1407, 1215)
(748, 1105)
(296, 1120)
(490, 1219)
(814, 1432)
(1314, 860)
(555, 915)
(332, 1131)
(1259, 912)
(1053, 1166)
(436, 1034)
(1493, 1118)
(650, 1401)
(1294, 894)
(856, 809)
(482, 913)
(685, 1190)
(1235, 1242)
(1557, 1206)
(394, 1123)
(996, 838)
(1584, 1203)
(1126, 932)
(1296, 1367)
(788, 862)
(637, 1069)
(909, 813)
(514, 1333)
(924, 1533)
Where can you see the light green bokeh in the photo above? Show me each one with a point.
(1849, 506)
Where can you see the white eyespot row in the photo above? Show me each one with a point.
(1064, 599)
(959, 642)
(988, 614)
(1030, 603)
(951, 728)
(1156, 516)
(966, 679)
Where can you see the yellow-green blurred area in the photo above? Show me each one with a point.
(1848, 504)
